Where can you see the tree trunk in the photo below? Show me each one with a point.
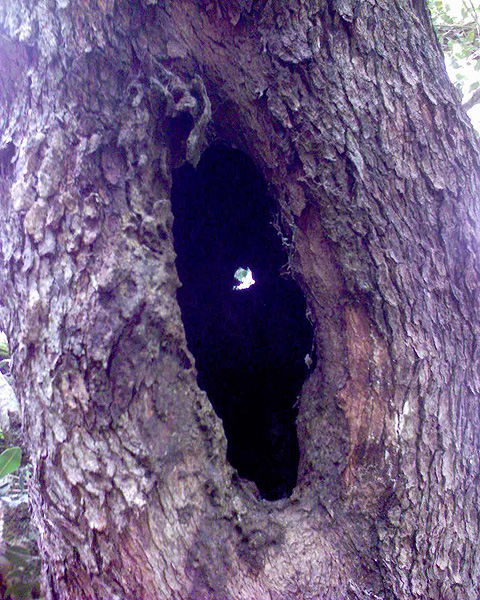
(346, 109)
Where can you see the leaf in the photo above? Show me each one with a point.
(10, 460)
(240, 274)
(244, 277)
(4, 353)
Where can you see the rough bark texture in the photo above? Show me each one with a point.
(346, 108)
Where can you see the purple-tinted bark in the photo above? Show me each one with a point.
(346, 109)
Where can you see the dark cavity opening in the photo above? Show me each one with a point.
(249, 344)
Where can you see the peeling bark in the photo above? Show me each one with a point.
(347, 110)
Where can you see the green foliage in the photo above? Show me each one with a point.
(23, 575)
(23, 578)
(240, 274)
(13, 485)
(457, 23)
(4, 356)
(24, 572)
(244, 277)
(10, 460)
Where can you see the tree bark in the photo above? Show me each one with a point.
(346, 108)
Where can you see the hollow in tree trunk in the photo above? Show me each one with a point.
(346, 113)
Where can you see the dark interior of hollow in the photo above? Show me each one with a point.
(249, 345)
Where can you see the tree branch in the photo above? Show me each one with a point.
(473, 100)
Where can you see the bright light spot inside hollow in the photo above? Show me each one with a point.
(244, 277)
(249, 341)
